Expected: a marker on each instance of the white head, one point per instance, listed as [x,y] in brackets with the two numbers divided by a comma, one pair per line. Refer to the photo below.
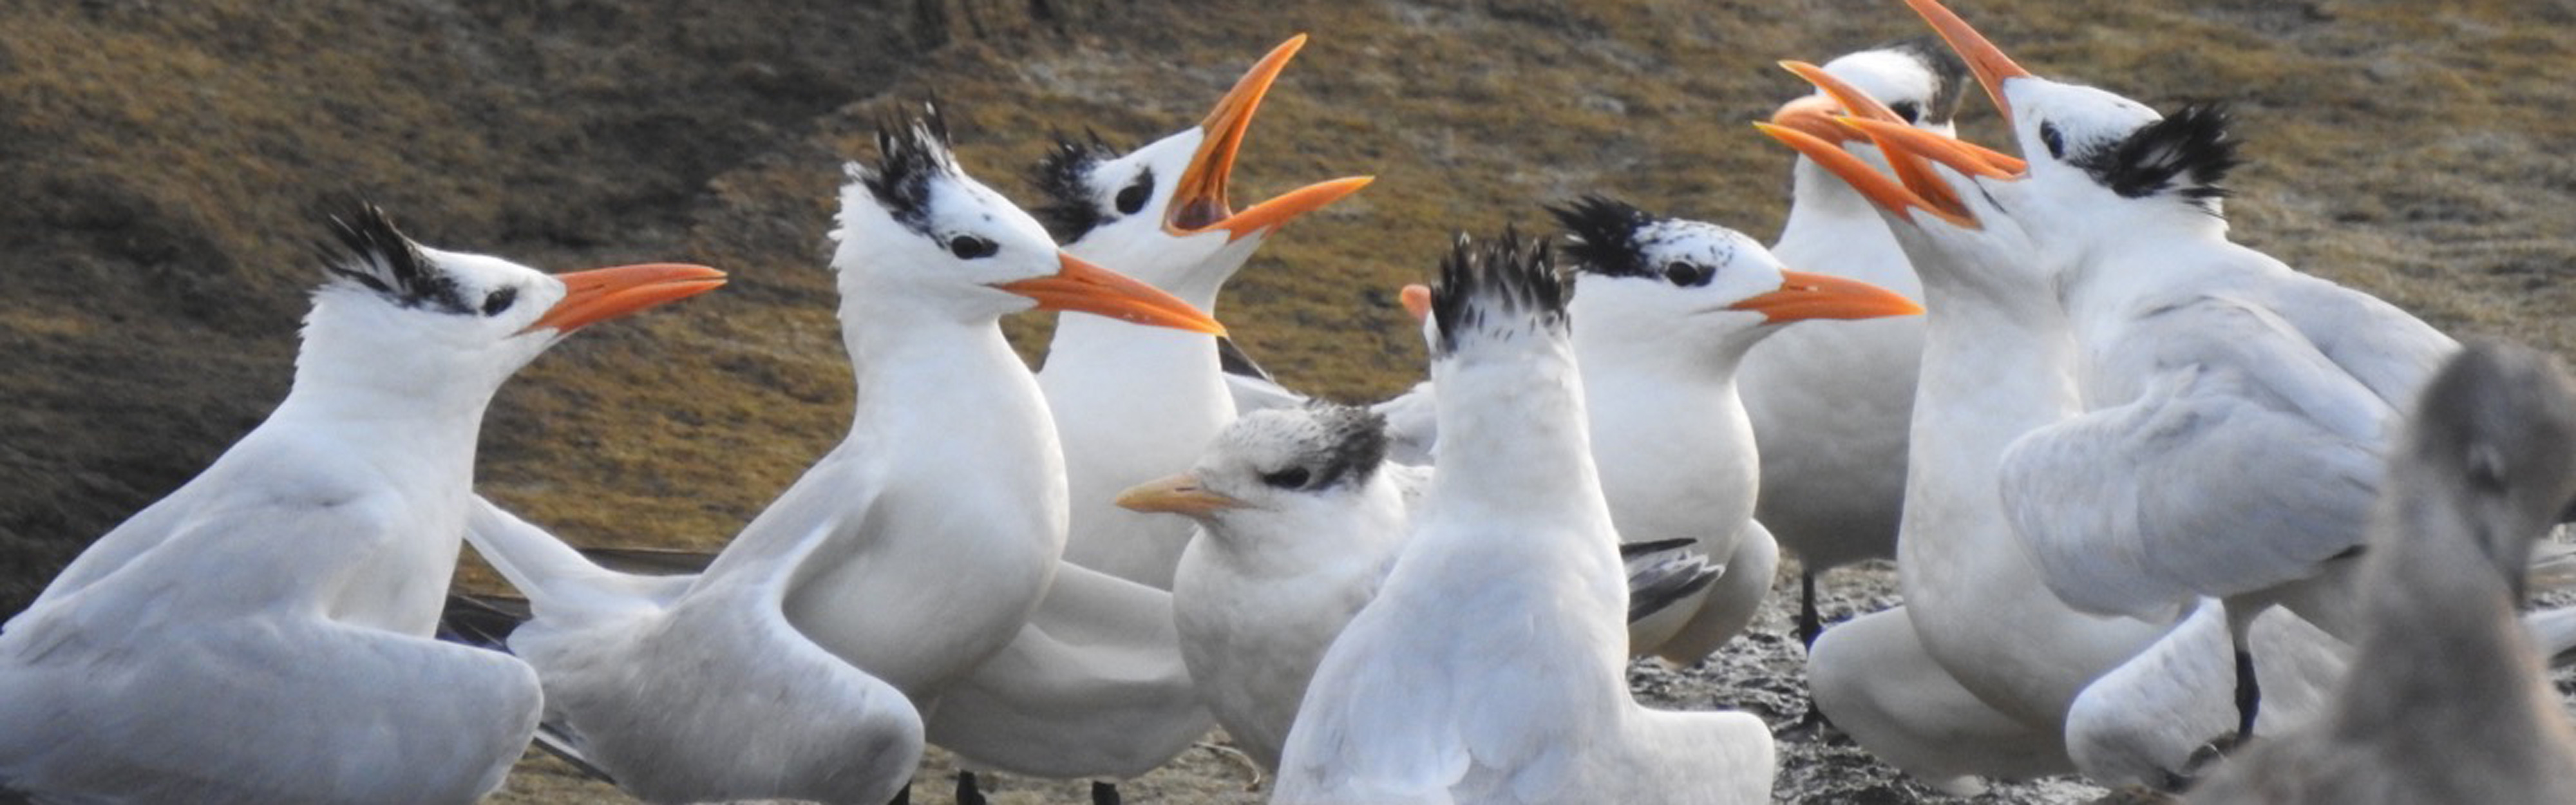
[1160,212]
[1696,292]
[1916,80]
[1308,464]
[918,237]
[406,320]
[2091,152]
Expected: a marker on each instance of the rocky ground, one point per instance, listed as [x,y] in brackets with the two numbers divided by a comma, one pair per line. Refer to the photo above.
[166,164]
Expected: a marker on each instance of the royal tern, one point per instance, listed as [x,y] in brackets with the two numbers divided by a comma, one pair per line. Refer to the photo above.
[263,634]
[1095,685]
[2235,410]
[1669,308]
[1491,666]
[2452,704]
[1831,405]
[1997,363]
[1300,514]
[917,548]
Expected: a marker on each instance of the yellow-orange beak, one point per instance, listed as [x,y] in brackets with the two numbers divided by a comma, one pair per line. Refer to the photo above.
[1812,115]
[1177,494]
[1983,58]
[1881,190]
[1803,296]
[601,294]
[1961,155]
[1087,288]
[1416,298]
[1861,106]
[1199,199]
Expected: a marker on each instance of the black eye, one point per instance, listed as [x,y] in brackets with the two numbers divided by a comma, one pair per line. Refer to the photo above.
[499,301]
[2056,143]
[1290,478]
[1133,197]
[1906,109]
[1687,274]
[969,247]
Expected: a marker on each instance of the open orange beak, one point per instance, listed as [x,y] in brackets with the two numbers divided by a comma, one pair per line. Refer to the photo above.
[1803,296]
[1887,193]
[601,294]
[1088,288]
[1177,494]
[1859,105]
[1199,199]
[1983,58]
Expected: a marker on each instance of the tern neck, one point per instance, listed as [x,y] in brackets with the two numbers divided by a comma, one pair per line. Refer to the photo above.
[1823,208]
[1513,437]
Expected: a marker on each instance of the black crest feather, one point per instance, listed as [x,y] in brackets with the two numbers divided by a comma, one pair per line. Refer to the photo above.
[1950,74]
[910,156]
[2187,153]
[1601,236]
[1062,177]
[371,252]
[1354,443]
[1503,285]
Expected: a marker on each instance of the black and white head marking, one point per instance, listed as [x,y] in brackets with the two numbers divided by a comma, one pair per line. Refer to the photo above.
[1339,445]
[372,253]
[1610,238]
[2187,153]
[1950,79]
[909,158]
[1063,177]
[1504,286]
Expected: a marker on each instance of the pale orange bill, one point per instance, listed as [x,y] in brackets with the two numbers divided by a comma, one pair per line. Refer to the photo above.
[1199,200]
[1864,107]
[601,294]
[1803,296]
[1886,192]
[1983,58]
[1086,288]
[1177,494]
[1416,298]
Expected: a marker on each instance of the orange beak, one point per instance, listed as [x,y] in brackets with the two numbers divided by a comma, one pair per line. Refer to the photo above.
[1177,494]
[1885,192]
[1813,116]
[1199,199]
[601,294]
[1087,288]
[1983,58]
[1803,296]
[1416,298]
[1863,107]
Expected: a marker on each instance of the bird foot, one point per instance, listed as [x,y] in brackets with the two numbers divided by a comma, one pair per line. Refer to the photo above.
[2209,756]
[1813,726]
[1250,769]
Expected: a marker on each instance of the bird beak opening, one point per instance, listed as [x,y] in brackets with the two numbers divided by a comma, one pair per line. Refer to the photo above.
[1885,192]
[1803,296]
[1860,105]
[1178,494]
[1812,115]
[1987,61]
[601,294]
[1199,199]
[1087,288]
[1416,299]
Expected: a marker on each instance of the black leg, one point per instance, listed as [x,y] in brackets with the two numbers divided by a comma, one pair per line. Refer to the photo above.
[1809,625]
[966,793]
[902,796]
[1104,793]
[2249,695]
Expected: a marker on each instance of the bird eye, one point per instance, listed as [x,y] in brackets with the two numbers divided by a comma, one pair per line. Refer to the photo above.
[1906,109]
[2056,143]
[1132,198]
[969,247]
[1687,274]
[499,301]
[1290,478]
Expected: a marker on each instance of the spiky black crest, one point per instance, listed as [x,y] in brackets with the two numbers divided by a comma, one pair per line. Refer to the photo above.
[371,252]
[1601,236]
[1353,446]
[1499,286]
[2187,153]
[1950,74]
[909,157]
[1072,205]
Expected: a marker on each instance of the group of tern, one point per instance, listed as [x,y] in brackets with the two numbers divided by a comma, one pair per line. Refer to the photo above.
[2164,510]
